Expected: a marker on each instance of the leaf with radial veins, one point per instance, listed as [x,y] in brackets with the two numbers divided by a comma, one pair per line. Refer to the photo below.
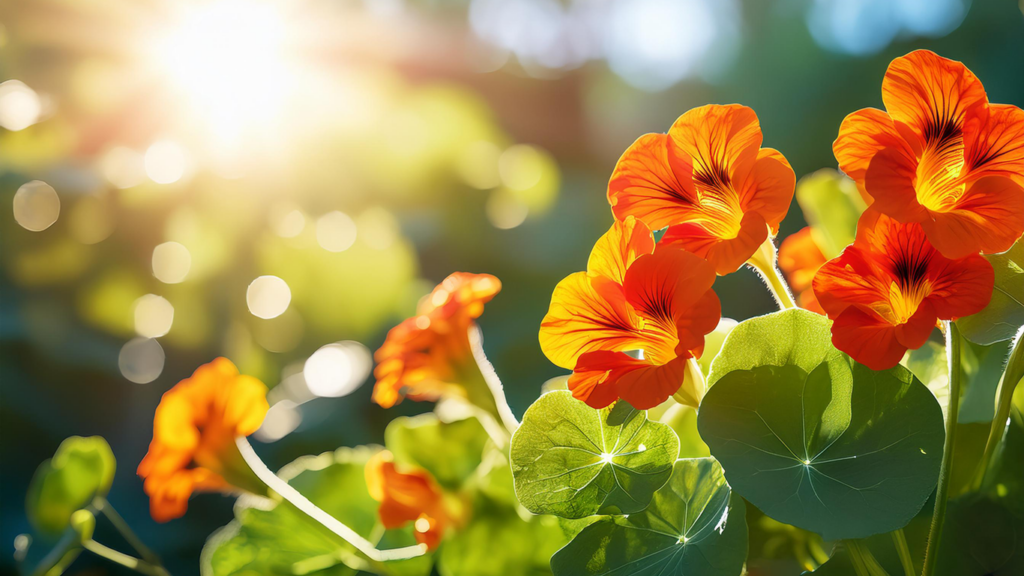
[814,439]
[694,525]
[1004,315]
[571,460]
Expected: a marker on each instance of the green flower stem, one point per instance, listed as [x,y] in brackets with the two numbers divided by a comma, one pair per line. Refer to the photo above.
[1012,377]
[313,512]
[900,541]
[857,559]
[102,505]
[130,562]
[764,261]
[942,491]
[487,392]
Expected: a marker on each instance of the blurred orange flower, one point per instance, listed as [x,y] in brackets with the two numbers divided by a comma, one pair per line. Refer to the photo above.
[632,297]
[194,431]
[799,259]
[886,291]
[429,355]
[404,497]
[710,180]
[941,156]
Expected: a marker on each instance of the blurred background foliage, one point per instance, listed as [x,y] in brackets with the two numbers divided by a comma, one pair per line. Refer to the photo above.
[279,182]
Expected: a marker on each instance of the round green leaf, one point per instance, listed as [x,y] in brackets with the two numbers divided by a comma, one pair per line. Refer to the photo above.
[814,439]
[281,540]
[80,470]
[571,460]
[450,451]
[1004,315]
[694,525]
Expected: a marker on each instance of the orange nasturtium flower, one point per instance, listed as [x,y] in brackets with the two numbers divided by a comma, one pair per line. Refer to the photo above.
[940,155]
[886,291]
[410,496]
[430,355]
[194,431]
[710,180]
[632,297]
[799,258]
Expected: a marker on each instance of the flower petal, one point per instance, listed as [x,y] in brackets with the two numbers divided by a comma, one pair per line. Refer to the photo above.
[649,386]
[726,255]
[594,379]
[989,217]
[768,189]
[962,287]
[850,278]
[616,250]
[890,181]
[915,331]
[587,313]
[930,95]
[668,283]
[994,144]
[867,338]
[649,185]
[720,142]
[863,134]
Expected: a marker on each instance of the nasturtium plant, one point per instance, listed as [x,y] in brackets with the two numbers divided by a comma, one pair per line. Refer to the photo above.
[269,537]
[1004,315]
[814,439]
[831,205]
[694,525]
[80,470]
[981,536]
[450,451]
[571,460]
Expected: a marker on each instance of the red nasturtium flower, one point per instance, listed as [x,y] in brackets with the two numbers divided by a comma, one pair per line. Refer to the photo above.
[940,155]
[429,355]
[194,431]
[886,291]
[710,181]
[409,496]
[632,297]
[799,258]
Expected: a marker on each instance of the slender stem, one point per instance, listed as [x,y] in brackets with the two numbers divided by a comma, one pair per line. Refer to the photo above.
[900,541]
[491,396]
[942,491]
[125,560]
[1013,376]
[303,504]
[103,505]
[764,262]
[859,566]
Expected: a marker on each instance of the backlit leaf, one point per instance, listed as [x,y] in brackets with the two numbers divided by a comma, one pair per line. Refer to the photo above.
[1004,315]
[80,470]
[571,460]
[694,525]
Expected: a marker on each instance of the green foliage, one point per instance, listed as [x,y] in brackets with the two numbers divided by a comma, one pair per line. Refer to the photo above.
[280,540]
[814,439]
[1004,315]
[498,542]
[981,536]
[832,205]
[694,525]
[571,460]
[451,451]
[80,470]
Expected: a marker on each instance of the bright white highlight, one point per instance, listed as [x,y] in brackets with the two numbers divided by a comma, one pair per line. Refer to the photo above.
[268,297]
